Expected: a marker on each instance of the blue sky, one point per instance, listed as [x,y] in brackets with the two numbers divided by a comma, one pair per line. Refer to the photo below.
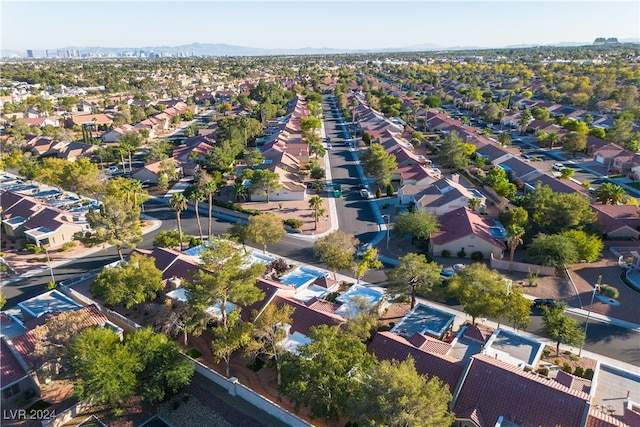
[297,24]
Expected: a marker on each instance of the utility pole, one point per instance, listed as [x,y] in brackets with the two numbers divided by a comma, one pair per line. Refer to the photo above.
[586,325]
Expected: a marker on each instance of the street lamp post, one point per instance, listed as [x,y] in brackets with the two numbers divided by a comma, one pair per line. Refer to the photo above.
[586,325]
[387,219]
[46,251]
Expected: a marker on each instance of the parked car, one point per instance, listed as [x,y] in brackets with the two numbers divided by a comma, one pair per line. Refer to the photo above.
[364,194]
[544,302]
[446,274]
[558,167]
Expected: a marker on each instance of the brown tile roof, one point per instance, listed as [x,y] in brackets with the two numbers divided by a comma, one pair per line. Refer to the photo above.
[477,334]
[496,389]
[11,369]
[47,217]
[429,344]
[615,217]
[304,318]
[597,418]
[269,289]
[461,223]
[322,305]
[325,282]
[573,382]
[25,344]
[389,346]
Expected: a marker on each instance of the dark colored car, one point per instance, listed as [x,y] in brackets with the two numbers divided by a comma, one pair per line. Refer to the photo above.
[544,302]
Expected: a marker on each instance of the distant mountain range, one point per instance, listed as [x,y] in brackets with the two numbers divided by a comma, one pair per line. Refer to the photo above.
[221,49]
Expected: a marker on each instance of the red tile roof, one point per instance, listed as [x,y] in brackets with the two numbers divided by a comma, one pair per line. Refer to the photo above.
[615,217]
[322,305]
[573,382]
[429,344]
[25,344]
[597,418]
[304,318]
[495,388]
[11,369]
[389,346]
[477,334]
[461,223]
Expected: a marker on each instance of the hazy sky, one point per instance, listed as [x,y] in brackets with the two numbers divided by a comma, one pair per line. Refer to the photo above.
[297,24]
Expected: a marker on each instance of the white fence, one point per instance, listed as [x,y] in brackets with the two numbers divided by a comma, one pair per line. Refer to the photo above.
[503,264]
[66,415]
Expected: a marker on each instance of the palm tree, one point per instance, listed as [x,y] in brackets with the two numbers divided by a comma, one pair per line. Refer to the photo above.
[129,142]
[553,139]
[209,187]
[240,191]
[514,238]
[178,203]
[194,194]
[474,204]
[315,203]
[609,193]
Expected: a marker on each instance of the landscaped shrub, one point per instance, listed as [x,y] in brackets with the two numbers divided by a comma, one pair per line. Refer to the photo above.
[566,366]
[279,265]
[579,371]
[378,193]
[68,246]
[609,291]
[546,352]
[390,190]
[574,357]
[293,223]
[588,373]
[556,362]
[462,254]
[33,248]
[477,256]
[445,254]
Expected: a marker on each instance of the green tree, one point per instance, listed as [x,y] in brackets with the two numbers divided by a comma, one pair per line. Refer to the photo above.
[610,193]
[310,124]
[321,376]
[418,224]
[3,300]
[336,249]
[229,338]
[102,369]
[394,394]
[132,282]
[316,204]
[165,371]
[238,232]
[514,239]
[515,216]
[269,334]
[253,157]
[166,174]
[167,239]
[561,328]
[589,246]
[116,222]
[553,250]
[265,182]
[178,202]
[378,163]
[227,275]
[369,260]
[129,143]
[209,186]
[414,274]
[559,211]
[481,291]
[264,229]
[621,131]
[504,139]
[574,142]
[523,123]
[453,152]
[567,173]
[194,194]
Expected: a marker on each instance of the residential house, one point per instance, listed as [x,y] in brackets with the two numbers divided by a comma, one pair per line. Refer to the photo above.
[72,151]
[496,393]
[88,119]
[607,154]
[149,173]
[41,122]
[415,175]
[462,230]
[192,151]
[15,381]
[618,222]
[115,134]
[293,187]
[441,197]
[20,365]
[52,227]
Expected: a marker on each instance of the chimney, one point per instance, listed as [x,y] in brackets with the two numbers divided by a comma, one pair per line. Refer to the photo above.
[174,283]
[455,177]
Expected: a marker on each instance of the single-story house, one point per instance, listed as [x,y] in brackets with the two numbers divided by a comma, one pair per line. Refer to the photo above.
[618,221]
[462,230]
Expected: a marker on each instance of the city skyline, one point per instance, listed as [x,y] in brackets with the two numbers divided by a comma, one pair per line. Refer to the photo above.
[355,25]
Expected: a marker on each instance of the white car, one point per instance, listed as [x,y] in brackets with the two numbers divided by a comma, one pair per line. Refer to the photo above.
[558,167]
[112,169]
[364,194]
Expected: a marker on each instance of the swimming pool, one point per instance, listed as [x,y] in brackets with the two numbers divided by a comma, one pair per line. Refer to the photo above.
[300,276]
